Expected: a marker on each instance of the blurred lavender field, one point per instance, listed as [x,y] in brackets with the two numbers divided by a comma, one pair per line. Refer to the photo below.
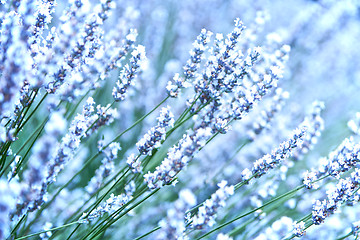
[213,119]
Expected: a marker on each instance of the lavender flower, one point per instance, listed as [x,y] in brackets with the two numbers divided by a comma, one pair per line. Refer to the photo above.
[128,74]
[105,116]
[269,161]
[118,53]
[35,174]
[54,55]
[314,125]
[341,160]
[173,226]
[309,178]
[266,116]
[106,168]
[112,204]
[192,65]
[299,229]
[177,158]
[152,139]
[134,163]
[84,48]
[71,141]
[15,56]
[335,197]
[48,234]
[64,153]
[356,228]
[207,212]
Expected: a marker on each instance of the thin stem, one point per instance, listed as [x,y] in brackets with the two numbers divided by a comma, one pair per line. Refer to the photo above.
[346,236]
[18,224]
[111,216]
[148,233]
[35,109]
[76,106]
[128,210]
[52,229]
[89,210]
[254,210]
[87,163]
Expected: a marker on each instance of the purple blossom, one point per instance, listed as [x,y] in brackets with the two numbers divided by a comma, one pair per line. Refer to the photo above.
[207,212]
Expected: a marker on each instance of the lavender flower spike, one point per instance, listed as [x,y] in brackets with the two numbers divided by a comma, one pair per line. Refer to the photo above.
[65,151]
[207,212]
[152,139]
[112,204]
[177,158]
[270,161]
[191,66]
[128,74]
[106,168]
[173,226]
[342,192]
[299,229]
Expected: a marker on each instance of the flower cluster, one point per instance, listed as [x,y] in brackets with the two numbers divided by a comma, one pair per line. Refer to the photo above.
[134,163]
[264,119]
[342,159]
[191,67]
[36,173]
[207,212]
[270,161]
[128,74]
[112,204]
[15,56]
[299,229]
[335,197]
[309,180]
[106,168]
[173,226]
[87,44]
[314,125]
[152,139]
[177,158]
[356,228]
[71,141]
[64,153]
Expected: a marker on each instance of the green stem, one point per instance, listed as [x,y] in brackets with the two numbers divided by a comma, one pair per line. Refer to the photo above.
[148,233]
[98,201]
[5,147]
[128,210]
[252,211]
[87,163]
[346,236]
[35,109]
[52,229]
[112,216]
[70,115]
